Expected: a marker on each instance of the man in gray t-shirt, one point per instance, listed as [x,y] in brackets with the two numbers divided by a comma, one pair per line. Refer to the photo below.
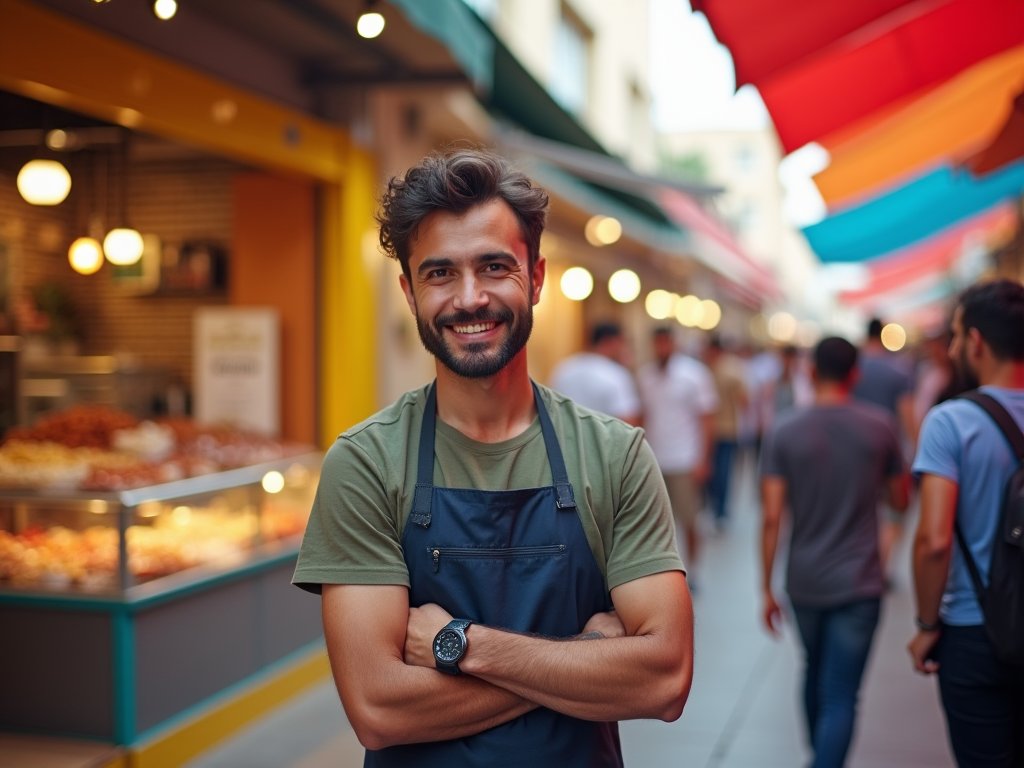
[829,465]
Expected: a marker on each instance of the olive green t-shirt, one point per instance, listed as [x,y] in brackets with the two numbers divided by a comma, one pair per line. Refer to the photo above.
[354,535]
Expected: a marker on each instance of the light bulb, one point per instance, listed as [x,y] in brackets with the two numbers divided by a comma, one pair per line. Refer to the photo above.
[165,9]
[710,315]
[273,482]
[123,247]
[689,311]
[577,283]
[624,286]
[85,255]
[44,182]
[660,304]
[782,327]
[370,25]
[602,230]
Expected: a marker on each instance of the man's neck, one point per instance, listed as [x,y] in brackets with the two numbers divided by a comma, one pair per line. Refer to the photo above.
[487,410]
[831,393]
[1007,375]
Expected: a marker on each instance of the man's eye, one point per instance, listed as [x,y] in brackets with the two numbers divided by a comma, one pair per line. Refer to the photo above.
[437,273]
[495,267]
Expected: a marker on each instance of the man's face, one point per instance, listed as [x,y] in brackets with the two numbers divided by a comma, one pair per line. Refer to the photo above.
[958,351]
[471,288]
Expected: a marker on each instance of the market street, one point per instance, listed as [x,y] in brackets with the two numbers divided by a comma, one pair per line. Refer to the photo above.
[743,709]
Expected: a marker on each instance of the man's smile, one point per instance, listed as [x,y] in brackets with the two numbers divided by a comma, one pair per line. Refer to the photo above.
[473,329]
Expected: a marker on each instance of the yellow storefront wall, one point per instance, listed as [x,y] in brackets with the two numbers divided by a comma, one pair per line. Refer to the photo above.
[47,57]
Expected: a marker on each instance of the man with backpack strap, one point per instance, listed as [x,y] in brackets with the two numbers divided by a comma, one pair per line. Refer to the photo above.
[969,628]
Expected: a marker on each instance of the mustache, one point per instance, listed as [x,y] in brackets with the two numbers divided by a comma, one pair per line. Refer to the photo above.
[482,315]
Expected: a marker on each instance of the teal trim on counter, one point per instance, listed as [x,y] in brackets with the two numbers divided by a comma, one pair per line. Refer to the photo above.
[104,603]
[221,697]
[123,630]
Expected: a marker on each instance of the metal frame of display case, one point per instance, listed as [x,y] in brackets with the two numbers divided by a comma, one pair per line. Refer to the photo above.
[191,609]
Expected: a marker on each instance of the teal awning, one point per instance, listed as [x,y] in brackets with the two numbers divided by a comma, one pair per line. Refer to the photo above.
[461,31]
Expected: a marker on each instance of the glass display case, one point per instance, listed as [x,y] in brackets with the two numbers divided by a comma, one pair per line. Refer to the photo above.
[94,543]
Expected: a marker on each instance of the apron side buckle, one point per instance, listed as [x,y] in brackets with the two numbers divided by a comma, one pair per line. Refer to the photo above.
[564,498]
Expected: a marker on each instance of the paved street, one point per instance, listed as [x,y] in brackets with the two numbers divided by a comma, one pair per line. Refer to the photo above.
[743,709]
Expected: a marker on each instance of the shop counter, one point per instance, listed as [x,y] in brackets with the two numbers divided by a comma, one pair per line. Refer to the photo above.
[122,613]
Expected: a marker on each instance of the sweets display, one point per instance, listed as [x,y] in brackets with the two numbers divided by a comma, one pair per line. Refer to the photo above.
[98,448]
[57,541]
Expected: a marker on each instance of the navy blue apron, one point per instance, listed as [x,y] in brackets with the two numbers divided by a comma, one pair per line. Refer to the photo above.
[517,560]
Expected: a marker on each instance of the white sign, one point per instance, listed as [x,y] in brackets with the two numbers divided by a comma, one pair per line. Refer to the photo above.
[237,368]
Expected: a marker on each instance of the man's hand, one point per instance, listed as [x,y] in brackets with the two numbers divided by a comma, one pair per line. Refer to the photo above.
[604,624]
[424,624]
[919,647]
[771,616]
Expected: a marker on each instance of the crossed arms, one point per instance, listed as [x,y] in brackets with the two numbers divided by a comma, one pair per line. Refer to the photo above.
[383,664]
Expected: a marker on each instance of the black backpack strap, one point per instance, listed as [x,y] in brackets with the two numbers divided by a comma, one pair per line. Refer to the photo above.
[972,567]
[1006,423]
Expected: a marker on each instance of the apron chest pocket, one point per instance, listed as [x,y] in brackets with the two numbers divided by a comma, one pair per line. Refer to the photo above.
[492,553]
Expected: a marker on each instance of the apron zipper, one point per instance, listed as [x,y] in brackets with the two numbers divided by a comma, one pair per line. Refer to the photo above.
[493,553]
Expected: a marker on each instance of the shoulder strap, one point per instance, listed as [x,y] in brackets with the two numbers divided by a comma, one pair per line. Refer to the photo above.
[564,498]
[1001,417]
[972,566]
[424,492]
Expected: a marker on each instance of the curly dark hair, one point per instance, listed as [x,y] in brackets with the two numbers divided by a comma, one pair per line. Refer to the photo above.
[996,309]
[456,180]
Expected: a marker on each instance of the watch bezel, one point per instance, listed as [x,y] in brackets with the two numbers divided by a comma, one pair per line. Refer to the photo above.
[444,635]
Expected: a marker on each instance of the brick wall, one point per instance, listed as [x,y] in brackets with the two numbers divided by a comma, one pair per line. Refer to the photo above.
[176,199]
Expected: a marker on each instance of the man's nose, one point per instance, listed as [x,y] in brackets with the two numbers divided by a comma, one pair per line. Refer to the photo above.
[470,294]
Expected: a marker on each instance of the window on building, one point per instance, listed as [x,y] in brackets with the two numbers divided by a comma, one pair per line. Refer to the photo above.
[570,73]
[745,158]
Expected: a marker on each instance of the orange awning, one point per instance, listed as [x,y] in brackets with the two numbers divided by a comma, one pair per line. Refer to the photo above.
[1007,146]
[948,122]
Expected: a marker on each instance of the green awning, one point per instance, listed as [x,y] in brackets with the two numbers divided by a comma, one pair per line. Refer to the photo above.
[461,31]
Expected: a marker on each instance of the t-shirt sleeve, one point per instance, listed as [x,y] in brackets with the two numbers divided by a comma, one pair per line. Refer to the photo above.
[643,533]
[938,449]
[352,536]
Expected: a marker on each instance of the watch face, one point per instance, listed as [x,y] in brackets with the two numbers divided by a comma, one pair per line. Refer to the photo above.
[448,646]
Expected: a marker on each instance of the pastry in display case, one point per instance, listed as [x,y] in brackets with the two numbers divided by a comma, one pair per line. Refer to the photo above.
[94,501]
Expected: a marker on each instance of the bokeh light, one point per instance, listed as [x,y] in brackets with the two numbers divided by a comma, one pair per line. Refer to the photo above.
[894,337]
[123,247]
[370,25]
[273,482]
[602,230]
[710,315]
[577,283]
[85,256]
[624,285]
[782,327]
[689,311]
[44,182]
[660,304]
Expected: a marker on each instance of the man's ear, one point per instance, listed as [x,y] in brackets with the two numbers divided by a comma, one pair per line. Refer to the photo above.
[976,344]
[407,290]
[540,269]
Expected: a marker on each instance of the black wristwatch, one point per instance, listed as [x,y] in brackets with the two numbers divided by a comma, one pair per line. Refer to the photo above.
[450,646]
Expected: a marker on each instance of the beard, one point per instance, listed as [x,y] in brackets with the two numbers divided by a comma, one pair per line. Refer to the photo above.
[475,362]
[968,378]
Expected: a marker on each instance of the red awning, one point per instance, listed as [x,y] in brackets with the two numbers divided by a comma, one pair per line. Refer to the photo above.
[911,48]
[766,36]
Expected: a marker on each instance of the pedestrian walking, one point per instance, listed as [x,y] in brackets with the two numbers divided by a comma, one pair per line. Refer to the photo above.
[965,461]
[600,379]
[730,385]
[497,568]
[885,382]
[827,465]
[679,402]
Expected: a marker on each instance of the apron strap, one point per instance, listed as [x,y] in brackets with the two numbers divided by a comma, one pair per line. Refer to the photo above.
[420,515]
[564,498]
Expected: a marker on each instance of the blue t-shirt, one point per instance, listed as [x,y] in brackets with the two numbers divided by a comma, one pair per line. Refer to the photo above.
[961,442]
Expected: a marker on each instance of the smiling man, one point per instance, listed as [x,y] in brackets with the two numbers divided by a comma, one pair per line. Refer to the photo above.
[499,577]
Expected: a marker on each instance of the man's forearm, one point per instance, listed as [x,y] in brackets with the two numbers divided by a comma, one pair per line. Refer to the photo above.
[645,676]
[930,570]
[769,545]
[416,704]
